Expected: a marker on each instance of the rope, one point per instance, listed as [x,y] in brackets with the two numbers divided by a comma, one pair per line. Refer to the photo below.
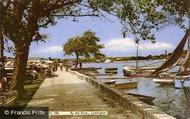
[175,96]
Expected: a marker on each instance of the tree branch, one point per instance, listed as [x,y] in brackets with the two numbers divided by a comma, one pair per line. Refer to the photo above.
[79,15]
[58,6]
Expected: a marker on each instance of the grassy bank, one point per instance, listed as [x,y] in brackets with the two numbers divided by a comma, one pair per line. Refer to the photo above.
[30,89]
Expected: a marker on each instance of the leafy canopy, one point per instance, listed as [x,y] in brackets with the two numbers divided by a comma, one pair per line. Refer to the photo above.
[85,45]
[20,18]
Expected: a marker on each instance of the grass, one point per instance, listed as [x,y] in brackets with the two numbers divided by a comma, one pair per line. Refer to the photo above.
[30,91]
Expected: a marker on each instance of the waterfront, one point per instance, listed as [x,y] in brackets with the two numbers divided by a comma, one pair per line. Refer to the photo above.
[168,99]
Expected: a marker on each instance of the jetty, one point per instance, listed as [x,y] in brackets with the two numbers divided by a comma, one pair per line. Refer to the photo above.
[67,92]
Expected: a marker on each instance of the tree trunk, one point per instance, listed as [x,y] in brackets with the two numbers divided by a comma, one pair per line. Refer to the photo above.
[20,65]
[77,61]
[1,54]
[1,48]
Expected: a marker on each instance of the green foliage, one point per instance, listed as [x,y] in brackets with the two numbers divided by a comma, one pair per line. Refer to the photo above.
[85,45]
[21,20]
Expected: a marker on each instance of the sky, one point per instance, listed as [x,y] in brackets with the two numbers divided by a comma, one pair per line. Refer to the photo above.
[110,35]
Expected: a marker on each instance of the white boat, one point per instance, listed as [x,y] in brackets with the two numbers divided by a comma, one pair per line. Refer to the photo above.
[138,71]
[107,61]
[164,81]
[110,82]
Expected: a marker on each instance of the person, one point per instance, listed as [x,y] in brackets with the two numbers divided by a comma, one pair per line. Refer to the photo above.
[66,64]
[61,66]
[80,65]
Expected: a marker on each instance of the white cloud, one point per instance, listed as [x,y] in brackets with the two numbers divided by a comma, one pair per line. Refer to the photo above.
[51,49]
[128,45]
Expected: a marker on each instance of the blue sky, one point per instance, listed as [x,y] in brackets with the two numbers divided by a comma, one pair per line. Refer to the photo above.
[109,34]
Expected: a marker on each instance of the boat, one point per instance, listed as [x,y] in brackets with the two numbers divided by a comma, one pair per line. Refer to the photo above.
[110,82]
[111,70]
[138,71]
[175,57]
[172,62]
[115,77]
[183,73]
[126,85]
[144,98]
[108,61]
[163,81]
[107,74]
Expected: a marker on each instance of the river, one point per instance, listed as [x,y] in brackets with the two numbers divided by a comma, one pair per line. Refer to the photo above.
[168,99]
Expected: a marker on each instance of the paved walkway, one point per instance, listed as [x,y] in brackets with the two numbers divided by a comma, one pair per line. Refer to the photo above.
[68,93]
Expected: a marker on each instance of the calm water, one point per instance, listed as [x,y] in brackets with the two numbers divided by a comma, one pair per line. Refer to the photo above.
[168,99]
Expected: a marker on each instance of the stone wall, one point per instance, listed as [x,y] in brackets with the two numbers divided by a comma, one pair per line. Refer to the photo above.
[140,108]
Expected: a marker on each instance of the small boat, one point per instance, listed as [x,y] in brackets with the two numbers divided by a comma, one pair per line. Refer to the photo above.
[110,82]
[163,81]
[107,74]
[144,98]
[108,61]
[111,70]
[137,72]
[114,78]
[126,85]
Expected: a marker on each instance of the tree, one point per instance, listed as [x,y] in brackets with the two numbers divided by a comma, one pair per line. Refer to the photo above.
[21,20]
[85,45]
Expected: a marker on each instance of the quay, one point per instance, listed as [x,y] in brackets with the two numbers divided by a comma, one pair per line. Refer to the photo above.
[67,92]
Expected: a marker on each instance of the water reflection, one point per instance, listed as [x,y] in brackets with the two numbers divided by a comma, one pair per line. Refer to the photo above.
[168,99]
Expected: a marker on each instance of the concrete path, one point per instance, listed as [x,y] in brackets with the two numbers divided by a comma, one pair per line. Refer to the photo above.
[68,93]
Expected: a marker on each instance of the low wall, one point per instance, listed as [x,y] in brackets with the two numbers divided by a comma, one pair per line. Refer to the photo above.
[140,108]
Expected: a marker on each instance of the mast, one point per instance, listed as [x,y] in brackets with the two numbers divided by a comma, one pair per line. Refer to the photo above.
[137,55]
[137,60]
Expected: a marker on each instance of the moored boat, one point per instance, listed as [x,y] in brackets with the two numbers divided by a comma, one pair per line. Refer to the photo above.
[110,82]
[111,70]
[126,85]
[144,98]
[108,61]
[163,81]
[140,72]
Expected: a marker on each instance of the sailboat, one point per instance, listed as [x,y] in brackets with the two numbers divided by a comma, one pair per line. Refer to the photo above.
[184,74]
[138,71]
[172,61]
